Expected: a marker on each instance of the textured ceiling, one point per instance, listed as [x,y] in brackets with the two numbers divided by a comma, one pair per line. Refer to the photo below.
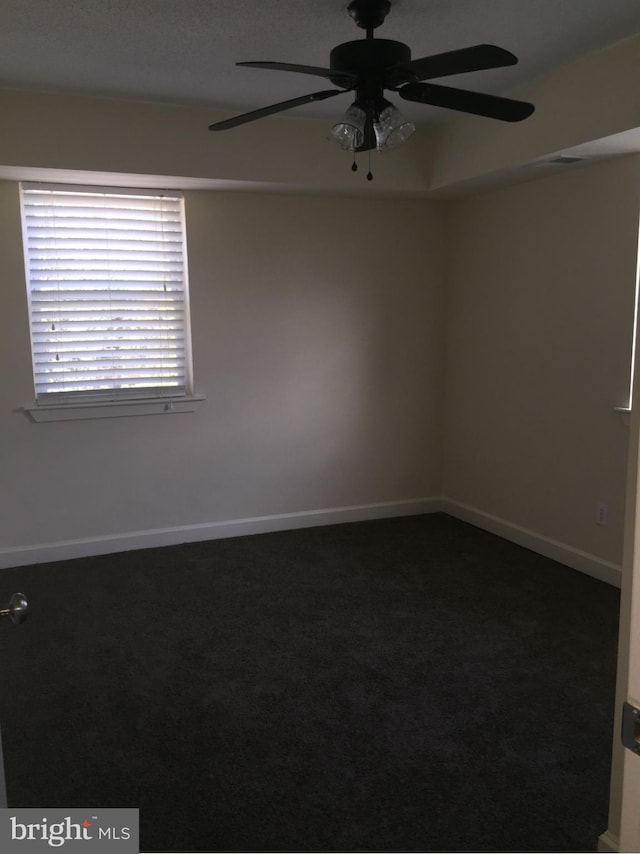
[183,51]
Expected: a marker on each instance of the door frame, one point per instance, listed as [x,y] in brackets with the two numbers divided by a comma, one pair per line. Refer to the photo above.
[625,775]
[624,797]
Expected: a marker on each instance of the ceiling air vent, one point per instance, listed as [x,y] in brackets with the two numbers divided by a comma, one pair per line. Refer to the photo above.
[561,160]
[566,158]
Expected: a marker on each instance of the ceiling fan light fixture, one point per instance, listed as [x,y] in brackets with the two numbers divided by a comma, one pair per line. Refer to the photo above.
[348,133]
[392,128]
[371,66]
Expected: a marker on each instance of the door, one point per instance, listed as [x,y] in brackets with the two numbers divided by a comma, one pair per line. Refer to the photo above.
[16,610]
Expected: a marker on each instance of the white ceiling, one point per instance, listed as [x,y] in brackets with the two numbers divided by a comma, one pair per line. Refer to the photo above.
[183,51]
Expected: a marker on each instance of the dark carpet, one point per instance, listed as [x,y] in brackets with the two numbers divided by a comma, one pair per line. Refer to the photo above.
[410,684]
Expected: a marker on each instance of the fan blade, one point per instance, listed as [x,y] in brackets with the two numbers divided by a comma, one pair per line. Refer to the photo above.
[274,108]
[340,78]
[477,103]
[477,58]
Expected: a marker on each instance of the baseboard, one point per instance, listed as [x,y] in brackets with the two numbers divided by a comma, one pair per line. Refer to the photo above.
[69,549]
[563,553]
[608,843]
[127,541]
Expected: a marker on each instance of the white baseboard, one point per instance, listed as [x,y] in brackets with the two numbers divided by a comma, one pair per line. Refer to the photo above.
[127,541]
[575,558]
[608,843]
[69,549]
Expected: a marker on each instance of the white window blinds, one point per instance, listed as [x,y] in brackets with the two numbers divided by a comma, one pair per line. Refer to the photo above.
[106,274]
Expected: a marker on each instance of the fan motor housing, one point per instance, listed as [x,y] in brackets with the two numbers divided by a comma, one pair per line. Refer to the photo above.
[369,14]
[367,56]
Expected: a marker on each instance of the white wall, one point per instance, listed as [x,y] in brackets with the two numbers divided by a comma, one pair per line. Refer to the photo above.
[539,320]
[318,333]
[317,342]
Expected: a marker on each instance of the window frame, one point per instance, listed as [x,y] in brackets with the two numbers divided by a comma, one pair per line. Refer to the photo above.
[91,403]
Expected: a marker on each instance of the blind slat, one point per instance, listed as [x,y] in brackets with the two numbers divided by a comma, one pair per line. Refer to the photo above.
[145,304]
[102,339]
[175,356]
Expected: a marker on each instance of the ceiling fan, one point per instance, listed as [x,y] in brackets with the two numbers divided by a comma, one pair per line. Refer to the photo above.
[370,66]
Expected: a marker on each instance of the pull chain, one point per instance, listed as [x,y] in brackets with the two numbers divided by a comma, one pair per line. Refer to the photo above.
[354,165]
[369,173]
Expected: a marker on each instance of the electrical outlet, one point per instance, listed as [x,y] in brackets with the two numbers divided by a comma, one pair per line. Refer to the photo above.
[602,514]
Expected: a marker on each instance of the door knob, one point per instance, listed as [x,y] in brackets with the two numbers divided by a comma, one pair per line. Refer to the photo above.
[16,609]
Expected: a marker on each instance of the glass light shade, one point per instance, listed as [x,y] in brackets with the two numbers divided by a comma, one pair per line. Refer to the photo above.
[392,129]
[349,131]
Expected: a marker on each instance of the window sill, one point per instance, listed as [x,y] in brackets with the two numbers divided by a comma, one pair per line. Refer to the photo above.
[113,409]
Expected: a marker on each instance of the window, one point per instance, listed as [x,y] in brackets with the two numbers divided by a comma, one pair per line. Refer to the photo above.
[107,286]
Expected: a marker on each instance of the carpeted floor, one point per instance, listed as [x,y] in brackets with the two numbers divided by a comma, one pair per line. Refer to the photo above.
[411,684]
